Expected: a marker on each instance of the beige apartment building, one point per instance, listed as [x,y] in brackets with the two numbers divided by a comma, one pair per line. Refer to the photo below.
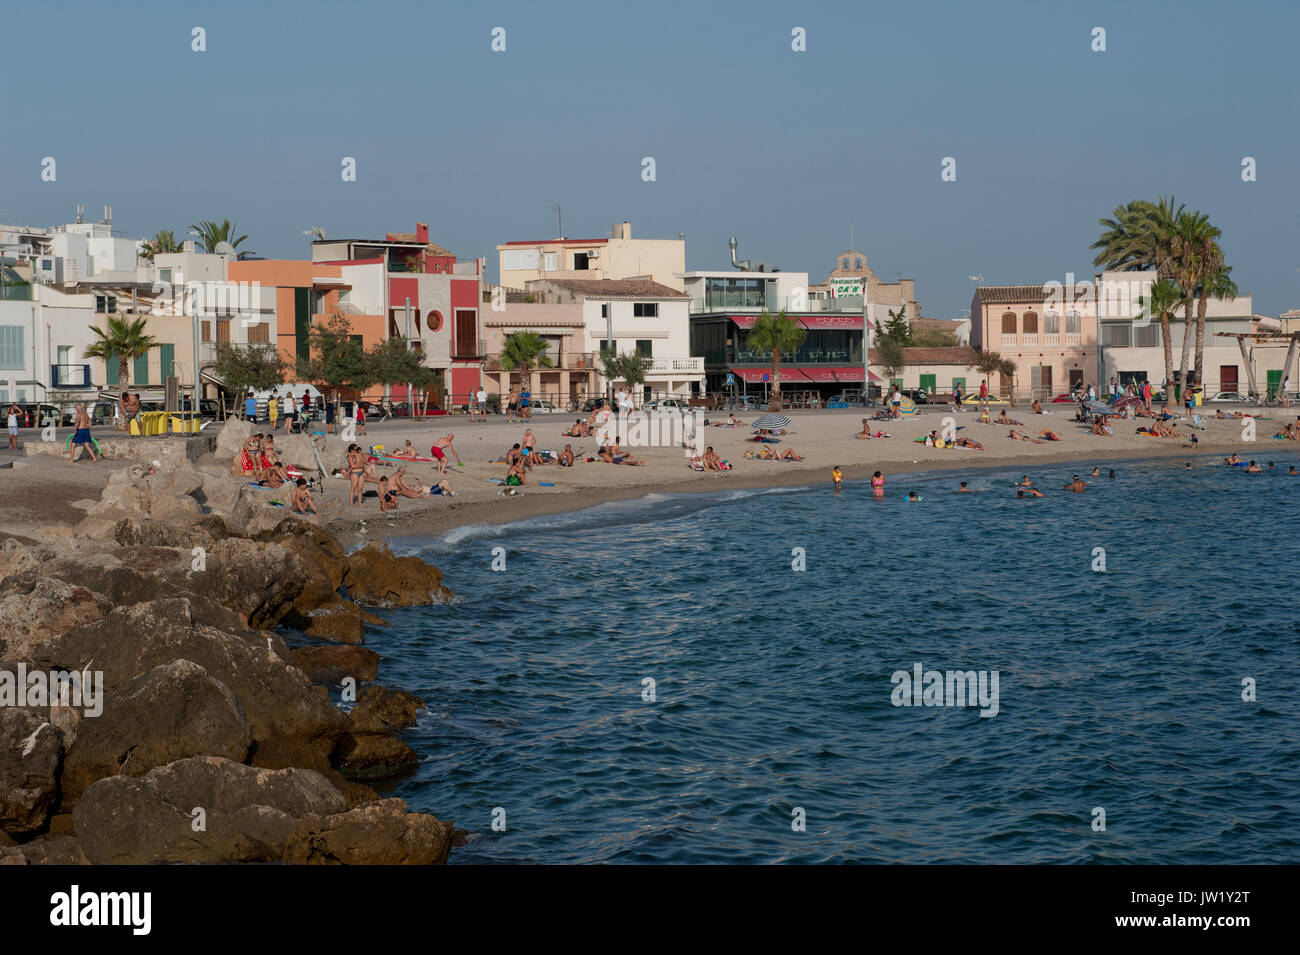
[618,256]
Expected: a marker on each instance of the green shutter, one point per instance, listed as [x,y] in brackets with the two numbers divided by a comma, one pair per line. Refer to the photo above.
[140,373]
[167,361]
[111,364]
[302,321]
[1274,382]
[928,382]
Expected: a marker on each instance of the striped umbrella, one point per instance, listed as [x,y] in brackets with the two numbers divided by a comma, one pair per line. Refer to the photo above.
[770,422]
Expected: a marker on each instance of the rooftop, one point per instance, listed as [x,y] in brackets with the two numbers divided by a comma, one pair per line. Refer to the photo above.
[617,288]
[948,355]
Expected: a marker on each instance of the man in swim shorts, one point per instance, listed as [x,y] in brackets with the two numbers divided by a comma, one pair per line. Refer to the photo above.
[81,436]
[439,454]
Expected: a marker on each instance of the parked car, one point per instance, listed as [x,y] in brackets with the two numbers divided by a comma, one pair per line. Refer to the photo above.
[542,406]
[591,404]
[743,403]
[1232,396]
[667,404]
[845,399]
[34,414]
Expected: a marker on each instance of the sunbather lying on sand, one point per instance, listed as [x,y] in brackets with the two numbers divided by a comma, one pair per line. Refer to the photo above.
[1017,436]
[580,429]
[399,485]
[1003,419]
[968,443]
[407,453]
[611,454]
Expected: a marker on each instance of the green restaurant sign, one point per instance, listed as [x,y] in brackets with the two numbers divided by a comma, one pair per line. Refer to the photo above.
[846,288]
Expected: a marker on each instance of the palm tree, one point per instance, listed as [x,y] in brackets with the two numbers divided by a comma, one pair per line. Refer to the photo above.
[1162,302]
[161,244]
[777,334]
[630,367]
[211,234]
[523,351]
[1216,285]
[125,340]
[1194,253]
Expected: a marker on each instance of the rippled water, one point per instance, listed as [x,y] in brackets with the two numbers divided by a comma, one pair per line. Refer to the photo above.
[1120,690]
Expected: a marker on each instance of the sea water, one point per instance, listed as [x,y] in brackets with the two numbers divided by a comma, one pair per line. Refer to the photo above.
[1143,634]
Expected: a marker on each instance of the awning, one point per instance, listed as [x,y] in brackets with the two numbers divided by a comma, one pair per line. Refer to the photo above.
[744,321]
[830,322]
[817,374]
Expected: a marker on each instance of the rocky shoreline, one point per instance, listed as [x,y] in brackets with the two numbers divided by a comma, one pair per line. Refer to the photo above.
[193,731]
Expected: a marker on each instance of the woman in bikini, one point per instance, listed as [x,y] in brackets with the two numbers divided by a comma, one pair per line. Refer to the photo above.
[356,473]
[407,453]
[1003,419]
[249,459]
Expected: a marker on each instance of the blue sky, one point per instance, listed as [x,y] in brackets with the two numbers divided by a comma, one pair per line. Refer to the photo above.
[783,149]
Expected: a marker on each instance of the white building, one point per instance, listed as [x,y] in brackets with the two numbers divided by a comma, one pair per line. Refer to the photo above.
[642,316]
[616,256]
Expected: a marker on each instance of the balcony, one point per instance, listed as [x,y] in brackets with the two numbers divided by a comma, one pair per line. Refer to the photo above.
[675,367]
[801,356]
[70,376]
[570,361]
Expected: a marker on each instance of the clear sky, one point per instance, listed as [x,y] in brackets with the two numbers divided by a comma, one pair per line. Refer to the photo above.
[784,149]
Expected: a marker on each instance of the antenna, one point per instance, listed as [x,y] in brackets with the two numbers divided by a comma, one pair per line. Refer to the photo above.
[851,245]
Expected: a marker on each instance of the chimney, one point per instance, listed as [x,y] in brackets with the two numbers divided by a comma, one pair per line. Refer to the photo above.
[421,232]
[627,229]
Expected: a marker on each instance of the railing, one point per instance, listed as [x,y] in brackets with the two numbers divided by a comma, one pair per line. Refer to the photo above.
[70,376]
[851,305]
[802,356]
[1029,339]
[1008,340]
[1071,338]
[571,361]
[676,366]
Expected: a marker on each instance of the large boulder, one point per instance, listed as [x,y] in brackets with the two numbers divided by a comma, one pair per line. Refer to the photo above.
[148,532]
[371,750]
[292,722]
[58,850]
[16,557]
[379,833]
[375,577]
[261,581]
[30,753]
[174,711]
[203,809]
[396,708]
[330,664]
[37,608]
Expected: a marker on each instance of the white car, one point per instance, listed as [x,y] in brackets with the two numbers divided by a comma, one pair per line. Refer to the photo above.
[542,406]
[667,404]
[1228,396]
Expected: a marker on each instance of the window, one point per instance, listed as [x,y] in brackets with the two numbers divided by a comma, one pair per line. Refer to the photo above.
[1115,334]
[645,309]
[1008,323]
[844,263]
[1072,323]
[47,264]
[604,309]
[259,334]
[165,275]
[11,346]
[1146,336]
[205,331]
[316,301]
[551,261]
[645,348]
[223,332]
[608,345]
[466,333]
[516,260]
[1031,323]
[1051,323]
[580,262]
[106,304]
[857,263]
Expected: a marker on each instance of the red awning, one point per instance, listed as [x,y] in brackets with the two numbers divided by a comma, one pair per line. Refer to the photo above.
[830,321]
[744,321]
[818,374]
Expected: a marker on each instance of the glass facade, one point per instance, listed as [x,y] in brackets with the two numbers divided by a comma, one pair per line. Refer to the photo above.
[724,293]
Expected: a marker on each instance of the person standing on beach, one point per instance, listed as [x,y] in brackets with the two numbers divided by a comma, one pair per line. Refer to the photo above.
[81,436]
[290,412]
[512,405]
[273,409]
[525,403]
[1146,395]
[329,415]
[837,477]
[441,445]
[984,395]
[895,402]
[956,395]
[250,408]
[13,427]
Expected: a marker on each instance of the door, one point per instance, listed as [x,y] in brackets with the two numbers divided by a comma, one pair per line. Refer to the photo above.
[167,360]
[140,373]
[1047,383]
[928,382]
[1274,382]
[466,336]
[1228,378]
[1076,378]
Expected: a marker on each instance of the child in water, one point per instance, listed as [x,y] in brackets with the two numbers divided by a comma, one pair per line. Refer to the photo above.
[837,477]
[913,496]
[878,484]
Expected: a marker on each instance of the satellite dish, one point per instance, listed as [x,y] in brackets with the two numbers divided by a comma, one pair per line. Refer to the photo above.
[224,248]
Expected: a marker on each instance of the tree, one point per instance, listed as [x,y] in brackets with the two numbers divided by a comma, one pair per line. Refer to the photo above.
[1194,254]
[629,367]
[898,328]
[988,363]
[335,358]
[162,243]
[522,352]
[212,234]
[393,362]
[1007,371]
[779,335]
[889,356]
[1161,303]
[1216,285]
[125,340]
[244,368]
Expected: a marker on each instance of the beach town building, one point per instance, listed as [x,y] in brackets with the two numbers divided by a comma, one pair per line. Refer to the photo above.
[723,308]
[1048,330]
[938,369]
[642,316]
[571,373]
[426,294]
[850,277]
[616,256]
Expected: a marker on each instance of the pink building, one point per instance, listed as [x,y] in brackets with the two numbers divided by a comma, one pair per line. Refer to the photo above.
[1049,331]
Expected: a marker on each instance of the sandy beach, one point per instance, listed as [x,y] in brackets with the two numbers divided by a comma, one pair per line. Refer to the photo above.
[43,489]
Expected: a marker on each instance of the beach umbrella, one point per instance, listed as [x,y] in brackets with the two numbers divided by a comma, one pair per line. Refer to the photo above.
[770,422]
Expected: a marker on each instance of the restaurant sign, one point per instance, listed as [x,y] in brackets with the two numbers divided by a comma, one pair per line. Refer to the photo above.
[846,288]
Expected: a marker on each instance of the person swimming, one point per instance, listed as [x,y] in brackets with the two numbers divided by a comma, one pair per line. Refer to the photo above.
[913,496]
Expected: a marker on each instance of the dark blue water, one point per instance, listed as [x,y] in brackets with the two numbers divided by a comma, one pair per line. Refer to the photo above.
[1120,690]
